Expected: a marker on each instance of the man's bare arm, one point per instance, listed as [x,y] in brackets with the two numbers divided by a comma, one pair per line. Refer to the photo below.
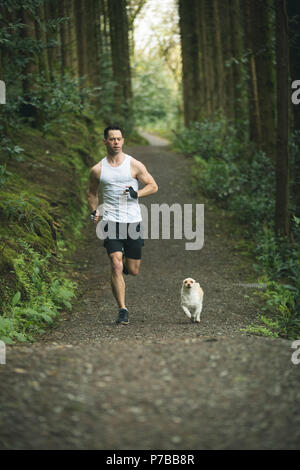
[144,177]
[93,198]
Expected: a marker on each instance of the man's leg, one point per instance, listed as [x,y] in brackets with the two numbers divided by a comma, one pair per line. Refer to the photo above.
[117,280]
[132,266]
[133,256]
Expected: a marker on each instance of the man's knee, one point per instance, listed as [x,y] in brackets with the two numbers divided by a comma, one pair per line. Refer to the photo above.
[116,264]
[134,271]
[133,267]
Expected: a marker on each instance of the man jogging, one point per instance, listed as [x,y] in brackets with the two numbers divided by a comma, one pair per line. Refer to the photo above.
[118,176]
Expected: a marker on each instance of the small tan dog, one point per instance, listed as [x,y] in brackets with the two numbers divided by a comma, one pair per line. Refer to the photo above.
[191,299]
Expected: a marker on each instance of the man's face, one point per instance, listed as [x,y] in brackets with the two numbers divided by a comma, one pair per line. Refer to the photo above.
[114,142]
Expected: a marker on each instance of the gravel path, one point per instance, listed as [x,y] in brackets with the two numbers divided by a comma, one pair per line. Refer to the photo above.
[154,140]
[160,382]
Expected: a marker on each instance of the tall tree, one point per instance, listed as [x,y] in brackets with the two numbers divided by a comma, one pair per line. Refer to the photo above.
[93,31]
[71,38]
[210,55]
[283,95]
[81,39]
[293,7]
[236,58]
[30,69]
[190,59]
[255,126]
[51,13]
[219,53]
[204,77]
[262,38]
[40,32]
[64,56]
[227,55]
[118,23]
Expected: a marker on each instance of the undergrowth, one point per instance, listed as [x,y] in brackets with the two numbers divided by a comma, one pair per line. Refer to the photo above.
[44,293]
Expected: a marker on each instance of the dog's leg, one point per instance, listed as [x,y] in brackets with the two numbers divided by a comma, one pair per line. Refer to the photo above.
[193,315]
[186,311]
[198,313]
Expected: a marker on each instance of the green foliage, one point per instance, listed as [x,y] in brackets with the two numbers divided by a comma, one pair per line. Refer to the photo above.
[25,214]
[154,99]
[56,98]
[280,261]
[220,170]
[224,170]
[268,328]
[4,175]
[48,100]
[10,150]
[210,139]
[42,294]
[48,294]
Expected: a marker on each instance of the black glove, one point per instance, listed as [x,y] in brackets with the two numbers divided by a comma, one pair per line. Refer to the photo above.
[93,215]
[132,192]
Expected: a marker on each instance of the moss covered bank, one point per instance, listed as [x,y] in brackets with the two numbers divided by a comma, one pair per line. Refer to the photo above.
[42,209]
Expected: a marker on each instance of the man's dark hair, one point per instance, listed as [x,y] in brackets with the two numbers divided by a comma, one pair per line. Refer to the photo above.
[111,128]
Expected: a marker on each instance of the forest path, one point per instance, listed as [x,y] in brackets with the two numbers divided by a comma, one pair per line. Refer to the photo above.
[153,139]
[160,382]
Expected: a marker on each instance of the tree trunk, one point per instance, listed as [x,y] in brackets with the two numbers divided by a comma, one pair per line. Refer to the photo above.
[93,42]
[210,55]
[293,8]
[40,33]
[236,51]
[220,66]
[190,60]
[283,96]
[80,25]
[204,79]
[227,54]
[51,12]
[30,70]
[120,60]
[294,37]
[262,43]
[62,12]
[253,104]
[72,41]
[105,25]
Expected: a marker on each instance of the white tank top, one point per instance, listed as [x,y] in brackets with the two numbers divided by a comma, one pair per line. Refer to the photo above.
[119,207]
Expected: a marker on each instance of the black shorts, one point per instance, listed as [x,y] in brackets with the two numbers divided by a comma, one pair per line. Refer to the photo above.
[119,239]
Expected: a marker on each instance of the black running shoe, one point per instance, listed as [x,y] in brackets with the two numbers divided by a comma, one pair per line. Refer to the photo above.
[123,317]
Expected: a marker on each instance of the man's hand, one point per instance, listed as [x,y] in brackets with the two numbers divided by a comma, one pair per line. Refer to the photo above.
[132,192]
[95,216]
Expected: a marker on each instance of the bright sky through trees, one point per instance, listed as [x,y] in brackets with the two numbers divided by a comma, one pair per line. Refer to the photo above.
[154,15]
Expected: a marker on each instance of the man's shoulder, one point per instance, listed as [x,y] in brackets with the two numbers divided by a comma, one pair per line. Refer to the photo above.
[96,169]
[136,163]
